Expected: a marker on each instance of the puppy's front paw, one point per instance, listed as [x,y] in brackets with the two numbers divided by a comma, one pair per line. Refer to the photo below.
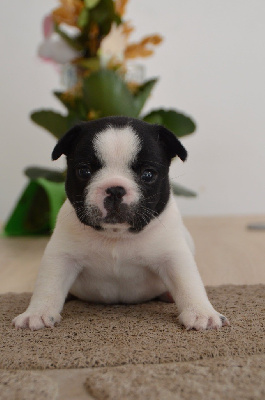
[201,319]
[36,320]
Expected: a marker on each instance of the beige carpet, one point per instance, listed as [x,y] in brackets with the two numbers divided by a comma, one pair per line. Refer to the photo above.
[26,385]
[214,379]
[142,349]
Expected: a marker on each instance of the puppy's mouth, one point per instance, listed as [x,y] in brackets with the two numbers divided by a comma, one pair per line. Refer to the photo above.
[117,212]
[122,215]
[115,215]
[114,219]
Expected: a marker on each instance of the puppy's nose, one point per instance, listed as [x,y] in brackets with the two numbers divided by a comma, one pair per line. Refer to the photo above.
[116,191]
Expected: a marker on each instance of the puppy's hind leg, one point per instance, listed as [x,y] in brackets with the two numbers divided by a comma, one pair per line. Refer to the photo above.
[55,278]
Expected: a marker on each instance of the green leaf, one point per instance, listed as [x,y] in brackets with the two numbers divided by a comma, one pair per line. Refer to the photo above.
[60,96]
[92,63]
[176,122]
[83,18]
[143,93]
[104,15]
[53,122]
[103,11]
[72,42]
[106,92]
[91,3]
[46,173]
[76,106]
[179,190]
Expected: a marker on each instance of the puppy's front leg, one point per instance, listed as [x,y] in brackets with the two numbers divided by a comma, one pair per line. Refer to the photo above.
[181,277]
[55,278]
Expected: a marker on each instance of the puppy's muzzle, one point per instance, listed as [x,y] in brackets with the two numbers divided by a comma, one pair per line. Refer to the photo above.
[116,192]
[113,203]
[114,197]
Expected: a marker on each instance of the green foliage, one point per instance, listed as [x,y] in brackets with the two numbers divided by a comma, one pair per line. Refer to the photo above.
[98,93]
[83,18]
[101,92]
[91,64]
[54,122]
[143,93]
[72,42]
[176,122]
[104,91]
[91,3]
[36,211]
[104,15]
[107,93]
[53,175]
[75,106]
[180,190]
[96,12]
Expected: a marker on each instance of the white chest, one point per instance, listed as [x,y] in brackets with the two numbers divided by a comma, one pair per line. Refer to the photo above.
[116,275]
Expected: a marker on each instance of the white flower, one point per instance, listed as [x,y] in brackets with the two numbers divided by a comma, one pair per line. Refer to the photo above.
[53,48]
[112,47]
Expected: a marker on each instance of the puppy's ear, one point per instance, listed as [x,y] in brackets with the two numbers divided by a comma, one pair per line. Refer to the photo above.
[66,142]
[171,144]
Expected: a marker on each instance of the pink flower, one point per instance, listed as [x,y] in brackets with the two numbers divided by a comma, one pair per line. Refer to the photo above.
[54,48]
[47,26]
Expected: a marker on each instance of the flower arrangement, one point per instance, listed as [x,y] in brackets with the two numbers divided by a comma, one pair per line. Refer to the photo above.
[90,39]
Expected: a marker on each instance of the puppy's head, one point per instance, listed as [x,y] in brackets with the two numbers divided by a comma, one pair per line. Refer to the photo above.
[117,174]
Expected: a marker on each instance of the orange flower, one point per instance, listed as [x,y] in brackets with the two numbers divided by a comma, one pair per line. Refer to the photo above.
[133,87]
[93,42]
[92,114]
[69,96]
[120,7]
[68,12]
[142,49]
[127,29]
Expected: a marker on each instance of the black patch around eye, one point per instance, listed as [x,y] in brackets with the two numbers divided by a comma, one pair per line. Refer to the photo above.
[84,169]
[149,175]
[83,172]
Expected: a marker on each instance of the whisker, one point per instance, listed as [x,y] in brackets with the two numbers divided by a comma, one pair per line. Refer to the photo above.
[152,214]
[154,195]
[176,177]
[149,209]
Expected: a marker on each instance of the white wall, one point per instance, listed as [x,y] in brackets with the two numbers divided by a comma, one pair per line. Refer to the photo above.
[211,65]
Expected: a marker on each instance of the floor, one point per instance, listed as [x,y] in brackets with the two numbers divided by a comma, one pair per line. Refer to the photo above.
[226,251]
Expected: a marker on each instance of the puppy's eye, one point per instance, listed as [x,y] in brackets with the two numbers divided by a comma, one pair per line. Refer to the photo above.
[83,172]
[148,176]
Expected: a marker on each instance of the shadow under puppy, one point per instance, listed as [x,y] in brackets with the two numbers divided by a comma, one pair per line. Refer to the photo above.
[119,237]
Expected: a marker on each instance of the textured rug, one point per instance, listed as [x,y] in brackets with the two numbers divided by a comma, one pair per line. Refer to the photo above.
[26,385]
[132,351]
[240,378]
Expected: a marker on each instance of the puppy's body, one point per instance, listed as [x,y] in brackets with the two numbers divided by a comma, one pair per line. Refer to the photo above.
[119,237]
[116,266]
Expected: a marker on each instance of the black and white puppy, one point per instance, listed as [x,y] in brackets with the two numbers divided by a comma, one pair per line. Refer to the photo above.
[119,237]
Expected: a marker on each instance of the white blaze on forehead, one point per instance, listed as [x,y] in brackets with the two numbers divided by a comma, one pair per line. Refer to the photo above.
[117,147]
